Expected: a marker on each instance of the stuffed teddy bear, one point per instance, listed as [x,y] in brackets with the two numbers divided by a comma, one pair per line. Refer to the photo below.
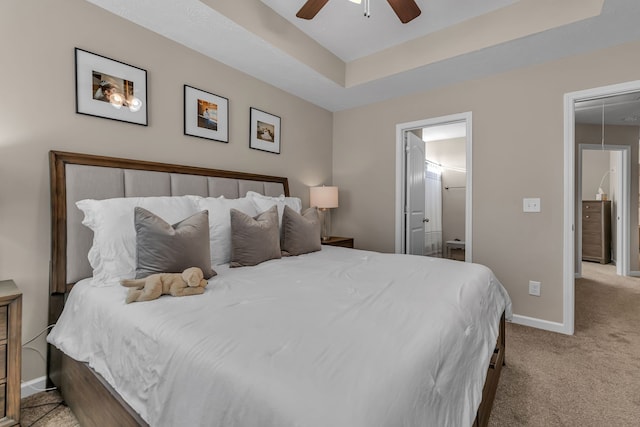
[190,282]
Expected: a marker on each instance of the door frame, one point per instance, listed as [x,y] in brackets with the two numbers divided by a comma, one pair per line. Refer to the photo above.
[400,205]
[568,251]
[623,194]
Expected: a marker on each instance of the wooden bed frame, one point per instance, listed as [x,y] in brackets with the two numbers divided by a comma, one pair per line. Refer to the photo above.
[92,399]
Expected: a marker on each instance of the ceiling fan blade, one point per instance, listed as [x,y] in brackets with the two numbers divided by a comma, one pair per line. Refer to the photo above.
[406,10]
[311,8]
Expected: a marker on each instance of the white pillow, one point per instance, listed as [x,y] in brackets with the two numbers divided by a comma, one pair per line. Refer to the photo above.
[113,254]
[263,203]
[220,223]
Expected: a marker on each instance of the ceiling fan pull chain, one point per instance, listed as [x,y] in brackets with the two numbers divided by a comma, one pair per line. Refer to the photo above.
[602,142]
[367,8]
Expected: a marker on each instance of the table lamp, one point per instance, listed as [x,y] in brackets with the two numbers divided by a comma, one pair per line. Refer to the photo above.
[324,198]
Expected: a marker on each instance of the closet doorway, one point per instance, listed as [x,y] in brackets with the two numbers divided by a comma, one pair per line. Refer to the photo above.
[433,187]
[608,127]
[613,123]
[603,183]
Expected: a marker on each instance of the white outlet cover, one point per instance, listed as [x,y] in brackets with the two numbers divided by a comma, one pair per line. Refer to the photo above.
[531,205]
[534,288]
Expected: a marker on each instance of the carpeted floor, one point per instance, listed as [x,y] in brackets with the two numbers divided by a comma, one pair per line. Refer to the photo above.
[589,379]
[45,409]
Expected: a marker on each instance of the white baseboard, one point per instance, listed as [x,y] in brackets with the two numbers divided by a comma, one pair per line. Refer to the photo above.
[539,323]
[36,385]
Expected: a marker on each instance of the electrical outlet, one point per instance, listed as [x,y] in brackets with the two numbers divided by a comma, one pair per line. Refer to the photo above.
[531,205]
[534,288]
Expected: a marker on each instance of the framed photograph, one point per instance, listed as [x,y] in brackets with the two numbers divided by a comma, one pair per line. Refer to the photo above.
[110,89]
[264,131]
[205,115]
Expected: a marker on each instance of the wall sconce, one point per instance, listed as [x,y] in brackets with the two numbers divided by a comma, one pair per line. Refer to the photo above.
[324,198]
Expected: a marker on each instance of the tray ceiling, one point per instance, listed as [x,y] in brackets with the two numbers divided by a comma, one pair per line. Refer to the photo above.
[471,40]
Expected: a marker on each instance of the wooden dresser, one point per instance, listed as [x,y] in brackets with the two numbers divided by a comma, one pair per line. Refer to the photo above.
[596,231]
[10,352]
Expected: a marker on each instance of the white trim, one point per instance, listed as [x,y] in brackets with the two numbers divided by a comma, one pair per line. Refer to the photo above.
[568,258]
[399,206]
[624,159]
[400,176]
[468,223]
[568,245]
[538,323]
[36,385]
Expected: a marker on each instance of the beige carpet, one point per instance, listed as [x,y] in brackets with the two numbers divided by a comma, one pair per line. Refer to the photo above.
[45,409]
[589,379]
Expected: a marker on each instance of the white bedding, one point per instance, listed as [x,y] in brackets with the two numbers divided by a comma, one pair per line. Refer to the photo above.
[340,337]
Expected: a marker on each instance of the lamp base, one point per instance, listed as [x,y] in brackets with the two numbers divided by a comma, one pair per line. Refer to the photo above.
[325,233]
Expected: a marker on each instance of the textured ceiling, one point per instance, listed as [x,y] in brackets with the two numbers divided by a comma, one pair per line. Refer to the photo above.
[194,24]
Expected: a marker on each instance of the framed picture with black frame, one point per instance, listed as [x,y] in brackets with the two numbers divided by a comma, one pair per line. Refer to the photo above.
[206,115]
[264,131]
[110,89]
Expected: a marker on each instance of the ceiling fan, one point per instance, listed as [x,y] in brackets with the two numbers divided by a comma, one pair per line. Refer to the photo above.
[406,10]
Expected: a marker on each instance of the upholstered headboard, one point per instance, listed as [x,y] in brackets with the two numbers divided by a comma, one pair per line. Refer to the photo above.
[79,176]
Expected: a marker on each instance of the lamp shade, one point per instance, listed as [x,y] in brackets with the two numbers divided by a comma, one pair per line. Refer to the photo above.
[324,197]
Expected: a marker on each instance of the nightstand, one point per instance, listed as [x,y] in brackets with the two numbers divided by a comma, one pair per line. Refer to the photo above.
[10,352]
[345,242]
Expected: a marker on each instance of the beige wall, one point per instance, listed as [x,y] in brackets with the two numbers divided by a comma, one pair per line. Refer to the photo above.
[517,152]
[595,164]
[37,114]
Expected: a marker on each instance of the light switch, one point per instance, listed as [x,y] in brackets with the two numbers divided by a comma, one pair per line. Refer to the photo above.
[531,205]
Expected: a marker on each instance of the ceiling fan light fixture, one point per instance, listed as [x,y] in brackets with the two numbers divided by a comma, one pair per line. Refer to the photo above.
[406,10]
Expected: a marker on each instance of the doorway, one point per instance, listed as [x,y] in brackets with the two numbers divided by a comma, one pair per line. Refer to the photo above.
[630,90]
[412,169]
[603,180]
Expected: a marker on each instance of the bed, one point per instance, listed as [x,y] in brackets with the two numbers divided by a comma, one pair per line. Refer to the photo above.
[335,337]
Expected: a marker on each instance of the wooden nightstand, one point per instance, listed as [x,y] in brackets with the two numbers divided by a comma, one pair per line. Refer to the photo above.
[345,242]
[10,352]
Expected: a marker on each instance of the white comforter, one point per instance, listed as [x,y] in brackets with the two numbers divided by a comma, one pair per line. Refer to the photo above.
[340,338]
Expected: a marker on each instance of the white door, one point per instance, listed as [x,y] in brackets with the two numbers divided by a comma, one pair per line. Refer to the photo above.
[415,194]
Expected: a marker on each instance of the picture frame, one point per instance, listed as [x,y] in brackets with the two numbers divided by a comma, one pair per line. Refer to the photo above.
[110,89]
[206,115]
[264,131]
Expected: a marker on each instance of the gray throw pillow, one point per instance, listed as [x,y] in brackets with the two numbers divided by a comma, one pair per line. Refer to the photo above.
[165,248]
[300,232]
[254,240]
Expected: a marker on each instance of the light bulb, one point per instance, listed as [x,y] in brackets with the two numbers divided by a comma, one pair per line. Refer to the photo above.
[135,105]
[116,100]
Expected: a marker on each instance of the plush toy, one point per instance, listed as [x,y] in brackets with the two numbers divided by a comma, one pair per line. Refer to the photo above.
[190,282]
